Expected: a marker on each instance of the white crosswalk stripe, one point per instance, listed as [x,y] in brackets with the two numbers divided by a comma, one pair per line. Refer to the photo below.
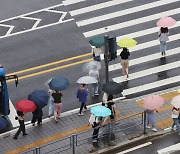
[151,42]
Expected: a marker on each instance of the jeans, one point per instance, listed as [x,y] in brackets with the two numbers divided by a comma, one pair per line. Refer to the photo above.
[163,46]
[51,105]
[82,105]
[94,88]
[57,110]
[21,128]
[95,133]
[176,122]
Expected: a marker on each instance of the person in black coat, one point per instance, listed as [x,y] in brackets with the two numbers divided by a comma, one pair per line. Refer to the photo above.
[37,116]
[20,118]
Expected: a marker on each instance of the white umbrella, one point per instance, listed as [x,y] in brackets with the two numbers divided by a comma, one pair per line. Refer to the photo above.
[87,80]
[176,101]
[91,66]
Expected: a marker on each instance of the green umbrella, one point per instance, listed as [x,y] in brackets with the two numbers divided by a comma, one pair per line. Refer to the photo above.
[127,42]
[97,41]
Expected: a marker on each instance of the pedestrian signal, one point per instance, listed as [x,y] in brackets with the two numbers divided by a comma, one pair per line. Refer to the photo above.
[112,48]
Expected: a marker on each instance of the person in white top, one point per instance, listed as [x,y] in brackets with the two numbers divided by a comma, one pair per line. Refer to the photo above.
[95,74]
[163,38]
[174,115]
[96,52]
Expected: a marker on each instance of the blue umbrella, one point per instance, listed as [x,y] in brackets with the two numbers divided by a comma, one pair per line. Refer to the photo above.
[39,97]
[3,123]
[58,83]
[100,111]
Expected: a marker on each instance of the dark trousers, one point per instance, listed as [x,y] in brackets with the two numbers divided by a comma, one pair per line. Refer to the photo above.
[21,128]
[39,119]
[95,133]
[82,105]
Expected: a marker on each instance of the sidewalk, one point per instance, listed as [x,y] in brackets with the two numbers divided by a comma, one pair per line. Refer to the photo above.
[70,123]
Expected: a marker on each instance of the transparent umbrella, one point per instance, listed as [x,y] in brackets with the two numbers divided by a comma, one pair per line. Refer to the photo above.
[91,66]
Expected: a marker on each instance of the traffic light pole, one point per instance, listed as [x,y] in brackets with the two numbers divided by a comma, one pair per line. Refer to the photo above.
[106,57]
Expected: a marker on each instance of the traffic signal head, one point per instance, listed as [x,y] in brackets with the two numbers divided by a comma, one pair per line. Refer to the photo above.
[112,48]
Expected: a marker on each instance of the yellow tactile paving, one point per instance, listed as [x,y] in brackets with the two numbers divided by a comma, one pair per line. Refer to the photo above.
[167,96]
[165,123]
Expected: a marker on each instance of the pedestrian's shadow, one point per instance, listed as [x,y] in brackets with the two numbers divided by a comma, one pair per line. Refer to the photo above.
[163,74]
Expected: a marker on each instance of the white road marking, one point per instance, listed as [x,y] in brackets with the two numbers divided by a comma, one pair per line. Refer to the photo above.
[131,23]
[144,59]
[9,30]
[118,13]
[97,7]
[30,13]
[150,71]
[170,149]
[35,24]
[12,115]
[135,148]
[151,85]
[69,2]
[37,28]
[145,32]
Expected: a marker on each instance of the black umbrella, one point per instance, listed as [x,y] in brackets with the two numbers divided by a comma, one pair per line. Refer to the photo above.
[113,88]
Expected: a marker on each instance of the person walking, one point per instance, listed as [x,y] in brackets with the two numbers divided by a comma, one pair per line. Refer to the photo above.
[174,115]
[51,103]
[163,38]
[37,116]
[104,99]
[124,61]
[20,118]
[110,105]
[57,95]
[94,86]
[150,119]
[82,94]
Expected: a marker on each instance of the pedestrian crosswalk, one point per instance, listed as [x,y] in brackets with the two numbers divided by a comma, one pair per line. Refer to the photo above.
[134,19]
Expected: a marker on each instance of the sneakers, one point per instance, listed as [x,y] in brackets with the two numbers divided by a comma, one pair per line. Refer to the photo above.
[15,138]
[148,127]
[80,114]
[154,129]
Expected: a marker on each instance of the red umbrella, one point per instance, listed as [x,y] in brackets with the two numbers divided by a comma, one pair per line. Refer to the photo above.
[166,22]
[25,106]
[153,102]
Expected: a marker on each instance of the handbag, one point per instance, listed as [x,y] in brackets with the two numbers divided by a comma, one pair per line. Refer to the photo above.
[97,58]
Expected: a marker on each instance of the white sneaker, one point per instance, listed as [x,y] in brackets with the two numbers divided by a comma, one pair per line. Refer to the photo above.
[80,114]
[148,127]
[154,129]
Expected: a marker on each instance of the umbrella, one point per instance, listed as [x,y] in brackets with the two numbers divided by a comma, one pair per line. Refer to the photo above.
[87,80]
[97,41]
[3,123]
[153,102]
[100,111]
[25,106]
[176,101]
[58,83]
[91,66]
[112,88]
[127,42]
[166,22]
[39,97]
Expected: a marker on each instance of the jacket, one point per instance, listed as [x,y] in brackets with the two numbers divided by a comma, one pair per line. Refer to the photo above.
[82,95]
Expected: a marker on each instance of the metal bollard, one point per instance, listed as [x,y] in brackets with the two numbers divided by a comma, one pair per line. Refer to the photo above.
[73,142]
[144,122]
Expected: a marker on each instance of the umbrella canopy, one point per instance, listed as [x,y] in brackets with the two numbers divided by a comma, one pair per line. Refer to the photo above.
[100,111]
[153,102]
[87,80]
[25,106]
[3,123]
[97,41]
[58,83]
[112,88]
[176,101]
[39,97]
[91,66]
[166,22]
[127,42]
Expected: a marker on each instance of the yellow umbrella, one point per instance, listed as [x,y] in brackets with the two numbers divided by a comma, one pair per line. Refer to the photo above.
[127,42]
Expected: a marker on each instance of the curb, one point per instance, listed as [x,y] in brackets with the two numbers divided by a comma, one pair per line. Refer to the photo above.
[122,144]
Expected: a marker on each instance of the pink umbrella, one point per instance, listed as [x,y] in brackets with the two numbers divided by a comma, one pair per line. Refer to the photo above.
[166,22]
[176,101]
[153,102]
